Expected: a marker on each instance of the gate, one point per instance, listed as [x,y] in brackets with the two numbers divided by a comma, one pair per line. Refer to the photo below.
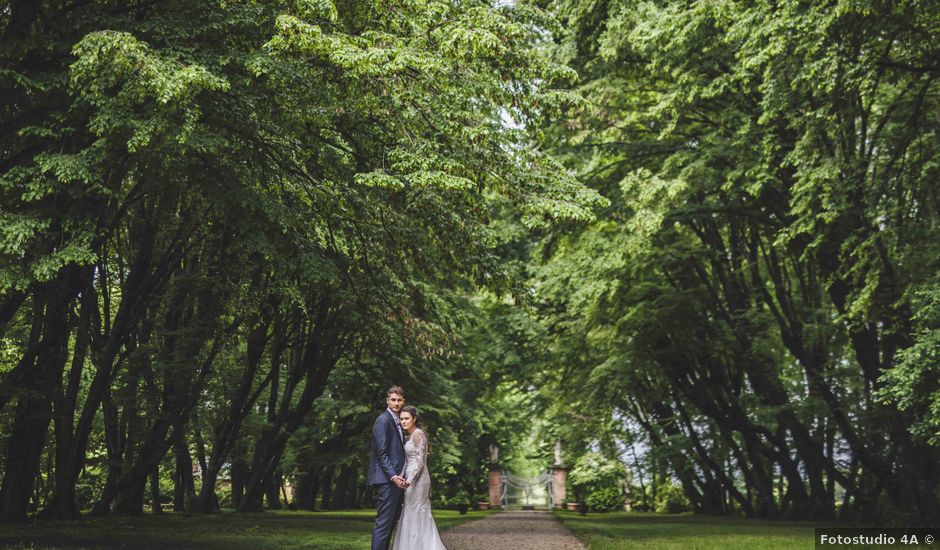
[518,493]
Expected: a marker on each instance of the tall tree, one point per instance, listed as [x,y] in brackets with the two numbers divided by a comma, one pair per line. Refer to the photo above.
[199,192]
[764,163]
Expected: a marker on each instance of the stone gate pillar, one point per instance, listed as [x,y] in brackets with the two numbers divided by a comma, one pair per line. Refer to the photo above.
[559,477]
[496,481]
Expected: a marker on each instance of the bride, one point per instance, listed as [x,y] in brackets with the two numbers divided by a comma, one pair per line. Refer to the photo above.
[416,529]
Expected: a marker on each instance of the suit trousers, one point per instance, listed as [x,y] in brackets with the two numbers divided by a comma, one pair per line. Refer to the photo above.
[388,501]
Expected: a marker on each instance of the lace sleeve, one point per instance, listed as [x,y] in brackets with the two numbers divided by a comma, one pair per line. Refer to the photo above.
[420,440]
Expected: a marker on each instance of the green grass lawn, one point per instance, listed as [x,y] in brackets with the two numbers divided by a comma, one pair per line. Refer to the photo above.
[346,530]
[622,531]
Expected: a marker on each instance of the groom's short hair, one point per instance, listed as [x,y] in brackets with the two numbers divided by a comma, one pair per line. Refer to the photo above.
[395,389]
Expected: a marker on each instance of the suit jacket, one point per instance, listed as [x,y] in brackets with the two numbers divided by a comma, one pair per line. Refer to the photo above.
[387,457]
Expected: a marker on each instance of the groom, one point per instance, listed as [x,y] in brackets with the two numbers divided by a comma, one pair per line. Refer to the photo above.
[386,464]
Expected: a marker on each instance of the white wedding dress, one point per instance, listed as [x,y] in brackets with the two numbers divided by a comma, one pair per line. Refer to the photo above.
[416,528]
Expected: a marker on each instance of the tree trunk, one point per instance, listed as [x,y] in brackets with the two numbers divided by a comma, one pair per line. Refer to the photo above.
[327,502]
[272,490]
[244,399]
[34,408]
[68,464]
[306,489]
[156,502]
[312,367]
[208,500]
[184,490]
[239,480]
[342,497]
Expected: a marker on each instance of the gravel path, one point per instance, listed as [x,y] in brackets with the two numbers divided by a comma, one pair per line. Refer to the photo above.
[512,531]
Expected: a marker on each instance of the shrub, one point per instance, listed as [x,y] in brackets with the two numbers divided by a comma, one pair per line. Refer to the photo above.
[670,499]
[225,497]
[606,499]
[598,480]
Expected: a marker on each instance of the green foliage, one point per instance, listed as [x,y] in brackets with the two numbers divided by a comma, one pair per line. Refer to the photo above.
[238,223]
[460,500]
[670,499]
[913,383]
[599,481]
[764,266]
[261,215]
[605,499]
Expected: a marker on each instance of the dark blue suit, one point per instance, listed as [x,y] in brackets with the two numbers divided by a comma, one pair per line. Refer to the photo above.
[386,460]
